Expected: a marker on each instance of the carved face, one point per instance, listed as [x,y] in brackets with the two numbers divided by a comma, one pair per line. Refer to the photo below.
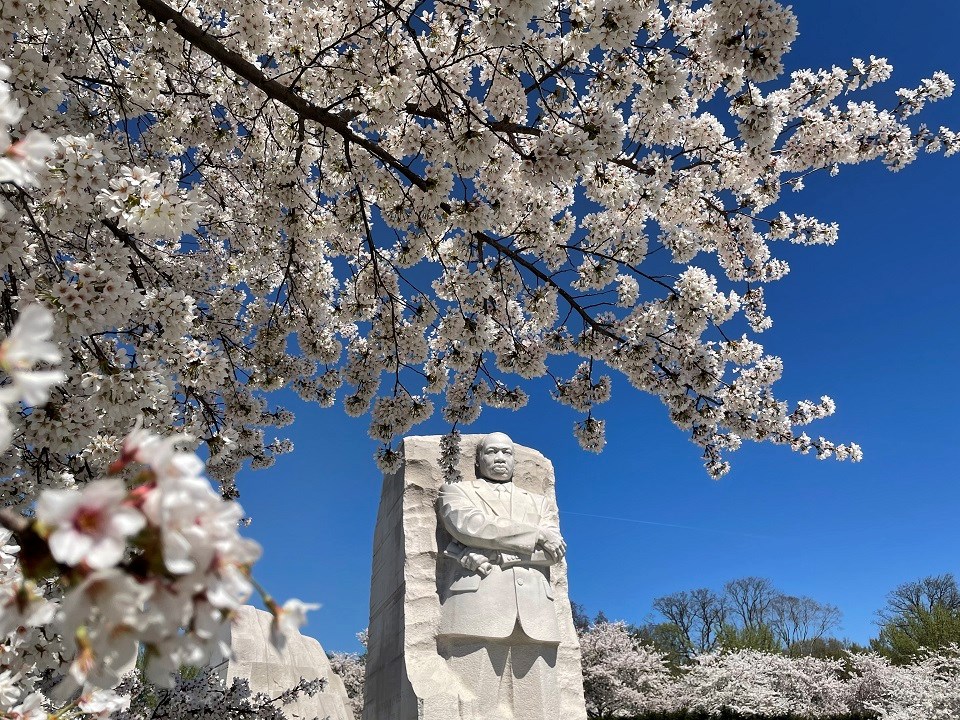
[495,459]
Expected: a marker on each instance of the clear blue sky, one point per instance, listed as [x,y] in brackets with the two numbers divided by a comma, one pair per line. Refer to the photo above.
[872,322]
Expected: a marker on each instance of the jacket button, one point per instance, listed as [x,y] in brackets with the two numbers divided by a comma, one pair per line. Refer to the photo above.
[519,582]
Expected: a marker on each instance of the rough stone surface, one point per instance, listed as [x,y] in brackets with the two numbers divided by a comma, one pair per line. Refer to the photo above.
[271,671]
[407,679]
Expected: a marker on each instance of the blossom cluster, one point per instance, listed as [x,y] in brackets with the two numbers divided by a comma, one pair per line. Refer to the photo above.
[624,677]
[203,696]
[351,667]
[376,204]
[146,560]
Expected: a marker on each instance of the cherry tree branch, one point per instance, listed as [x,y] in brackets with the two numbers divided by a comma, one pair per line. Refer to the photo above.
[236,63]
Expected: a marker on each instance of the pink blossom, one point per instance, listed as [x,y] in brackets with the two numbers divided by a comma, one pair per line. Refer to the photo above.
[30,709]
[90,526]
[24,158]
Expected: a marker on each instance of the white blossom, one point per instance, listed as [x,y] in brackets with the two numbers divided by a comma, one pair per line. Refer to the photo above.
[90,526]
[28,344]
[102,703]
[288,619]
[621,675]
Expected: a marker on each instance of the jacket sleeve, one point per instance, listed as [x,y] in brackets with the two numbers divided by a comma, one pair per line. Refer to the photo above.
[477,527]
[549,515]
[549,520]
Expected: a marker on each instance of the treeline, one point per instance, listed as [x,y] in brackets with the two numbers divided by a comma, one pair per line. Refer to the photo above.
[752,614]
[624,677]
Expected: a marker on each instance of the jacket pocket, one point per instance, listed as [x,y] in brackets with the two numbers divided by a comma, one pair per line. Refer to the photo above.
[547,590]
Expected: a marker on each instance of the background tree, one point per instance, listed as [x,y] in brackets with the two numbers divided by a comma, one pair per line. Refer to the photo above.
[799,620]
[826,648]
[920,614]
[627,677]
[759,638]
[679,612]
[697,615]
[750,613]
[352,668]
[750,600]
[581,620]
[666,639]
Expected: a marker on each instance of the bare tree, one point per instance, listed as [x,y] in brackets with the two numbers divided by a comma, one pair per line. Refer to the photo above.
[711,610]
[922,596]
[800,619]
[678,609]
[697,615]
[750,599]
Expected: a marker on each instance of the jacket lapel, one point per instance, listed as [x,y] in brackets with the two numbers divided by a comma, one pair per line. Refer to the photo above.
[498,503]
[484,494]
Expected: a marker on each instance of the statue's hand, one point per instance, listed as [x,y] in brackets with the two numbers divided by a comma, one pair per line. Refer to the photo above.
[552,543]
[476,562]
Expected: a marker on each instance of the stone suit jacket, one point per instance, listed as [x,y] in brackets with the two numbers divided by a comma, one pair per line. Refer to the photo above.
[518,586]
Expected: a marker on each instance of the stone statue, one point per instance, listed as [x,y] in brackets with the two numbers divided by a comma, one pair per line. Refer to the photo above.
[498,627]
[469,606]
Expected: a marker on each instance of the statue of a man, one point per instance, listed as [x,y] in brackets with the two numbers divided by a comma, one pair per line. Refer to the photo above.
[498,628]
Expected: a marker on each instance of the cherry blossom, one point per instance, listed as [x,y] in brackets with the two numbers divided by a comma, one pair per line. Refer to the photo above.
[90,526]
[28,344]
[387,219]
[204,697]
[102,703]
[109,570]
[621,674]
[288,619]
[623,677]
[351,667]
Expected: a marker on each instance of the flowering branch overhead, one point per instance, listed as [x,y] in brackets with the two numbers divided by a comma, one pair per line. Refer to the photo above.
[433,203]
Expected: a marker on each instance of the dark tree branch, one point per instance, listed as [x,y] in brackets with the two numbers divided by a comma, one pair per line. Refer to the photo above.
[235,62]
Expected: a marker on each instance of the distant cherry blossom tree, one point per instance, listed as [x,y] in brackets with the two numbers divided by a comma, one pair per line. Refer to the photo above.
[623,678]
[762,683]
[621,675]
[351,667]
[929,687]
